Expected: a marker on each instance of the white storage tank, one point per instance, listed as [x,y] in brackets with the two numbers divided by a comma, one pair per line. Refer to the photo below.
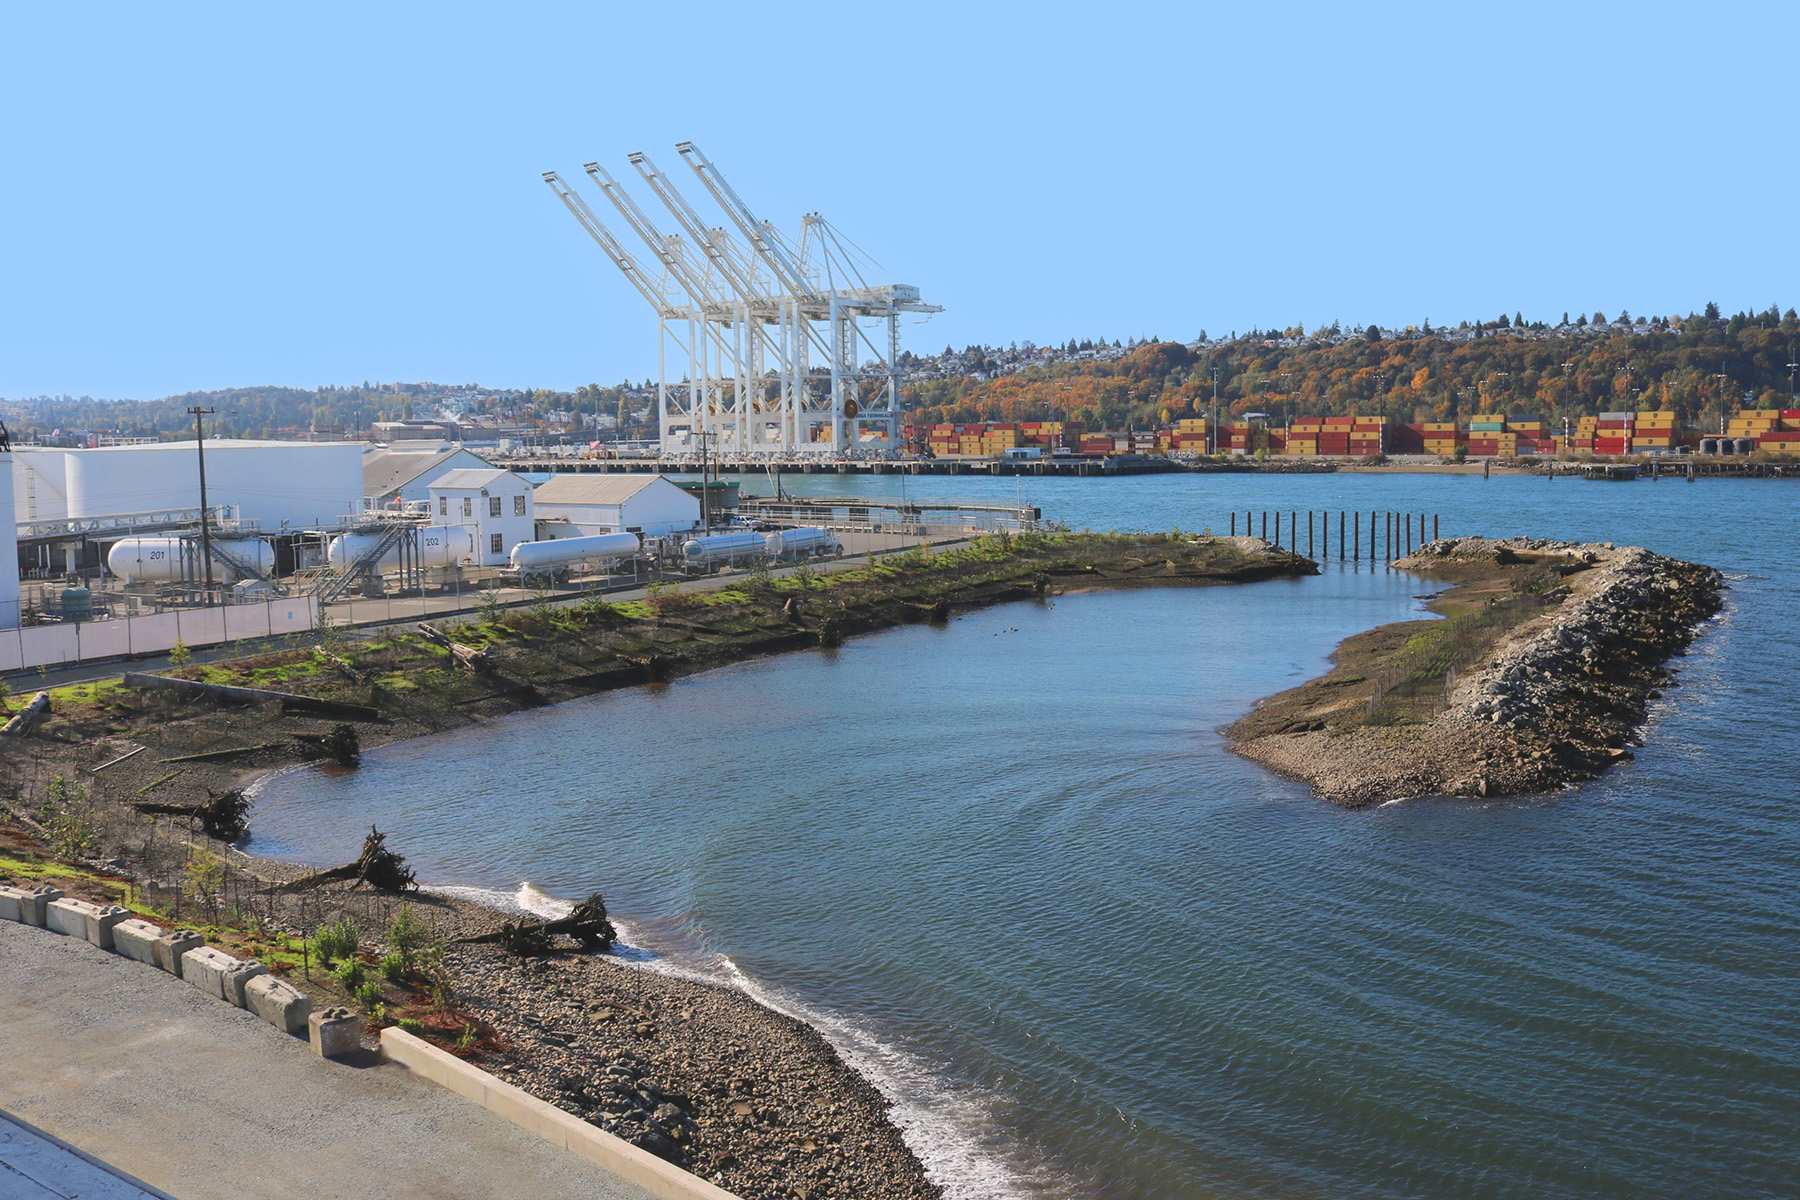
[159,559]
[562,552]
[803,542]
[439,546]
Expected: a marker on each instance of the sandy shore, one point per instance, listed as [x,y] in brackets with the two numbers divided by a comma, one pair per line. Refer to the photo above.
[1552,700]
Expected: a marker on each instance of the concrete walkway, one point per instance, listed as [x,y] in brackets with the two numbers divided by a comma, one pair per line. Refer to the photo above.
[203,1101]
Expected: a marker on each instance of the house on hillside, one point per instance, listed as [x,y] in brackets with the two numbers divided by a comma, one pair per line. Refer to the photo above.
[647,504]
[498,504]
[394,475]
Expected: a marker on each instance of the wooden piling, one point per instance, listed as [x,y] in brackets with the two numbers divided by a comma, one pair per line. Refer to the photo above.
[1340,535]
[1234,522]
[1265,525]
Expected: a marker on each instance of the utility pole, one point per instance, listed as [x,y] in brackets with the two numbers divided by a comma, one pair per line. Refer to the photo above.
[205,524]
[705,509]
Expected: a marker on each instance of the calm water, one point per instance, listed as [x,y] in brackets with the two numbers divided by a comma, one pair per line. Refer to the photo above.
[1009,868]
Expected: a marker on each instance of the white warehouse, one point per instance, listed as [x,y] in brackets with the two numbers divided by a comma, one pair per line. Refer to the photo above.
[299,485]
[406,471]
[498,504]
[647,504]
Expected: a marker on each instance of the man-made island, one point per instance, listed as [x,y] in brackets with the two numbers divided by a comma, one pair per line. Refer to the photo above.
[1539,675]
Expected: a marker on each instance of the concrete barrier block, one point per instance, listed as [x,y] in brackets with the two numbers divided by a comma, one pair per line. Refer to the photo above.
[334,1032]
[69,917]
[102,921]
[136,939]
[237,979]
[206,968]
[279,1003]
[12,903]
[172,945]
[36,904]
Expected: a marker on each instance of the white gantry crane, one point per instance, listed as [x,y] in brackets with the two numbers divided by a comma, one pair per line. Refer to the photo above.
[773,332]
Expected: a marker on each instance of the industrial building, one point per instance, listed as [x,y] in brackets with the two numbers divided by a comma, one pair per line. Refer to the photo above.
[275,485]
[594,504]
[393,475]
[779,346]
[497,504]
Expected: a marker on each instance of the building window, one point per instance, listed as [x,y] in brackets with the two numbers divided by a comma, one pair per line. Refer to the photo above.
[518,506]
[468,506]
[443,506]
[494,544]
[493,506]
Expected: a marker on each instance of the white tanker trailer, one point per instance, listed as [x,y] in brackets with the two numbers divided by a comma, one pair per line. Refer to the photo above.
[808,541]
[716,549]
[559,554]
[173,559]
[439,546]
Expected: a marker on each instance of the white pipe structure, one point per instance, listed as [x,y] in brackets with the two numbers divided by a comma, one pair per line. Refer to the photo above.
[749,316]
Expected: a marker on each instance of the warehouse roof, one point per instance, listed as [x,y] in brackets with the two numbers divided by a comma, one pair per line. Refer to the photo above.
[472,477]
[387,471]
[594,489]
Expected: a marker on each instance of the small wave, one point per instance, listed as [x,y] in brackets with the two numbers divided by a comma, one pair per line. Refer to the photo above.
[526,900]
[943,1124]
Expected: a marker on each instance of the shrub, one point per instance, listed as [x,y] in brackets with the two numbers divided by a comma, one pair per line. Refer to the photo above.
[180,655]
[69,820]
[393,966]
[350,974]
[336,941]
[407,935]
[469,1038]
[368,995]
[412,1025]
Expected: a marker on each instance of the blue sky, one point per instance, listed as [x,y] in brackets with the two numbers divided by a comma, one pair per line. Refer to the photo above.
[205,197]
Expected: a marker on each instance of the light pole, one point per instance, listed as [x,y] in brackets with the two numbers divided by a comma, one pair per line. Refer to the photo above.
[1724,382]
[205,524]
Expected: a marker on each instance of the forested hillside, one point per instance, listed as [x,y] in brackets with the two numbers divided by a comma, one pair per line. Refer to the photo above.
[1697,366]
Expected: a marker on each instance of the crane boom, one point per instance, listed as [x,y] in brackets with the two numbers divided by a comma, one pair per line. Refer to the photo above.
[621,257]
[690,221]
[767,244]
[665,248]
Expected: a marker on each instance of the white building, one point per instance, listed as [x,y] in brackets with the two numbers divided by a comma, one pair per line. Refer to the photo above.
[299,485]
[647,504]
[9,548]
[395,474]
[498,504]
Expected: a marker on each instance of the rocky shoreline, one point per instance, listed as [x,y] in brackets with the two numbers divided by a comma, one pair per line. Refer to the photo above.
[1557,700]
[703,1075]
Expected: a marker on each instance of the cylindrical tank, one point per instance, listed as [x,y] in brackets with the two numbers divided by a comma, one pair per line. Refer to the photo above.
[794,543]
[547,556]
[1709,445]
[77,604]
[159,559]
[439,546]
[1746,445]
[723,547]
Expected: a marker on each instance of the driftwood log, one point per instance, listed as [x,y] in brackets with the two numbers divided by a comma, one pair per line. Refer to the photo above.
[225,815]
[341,744]
[383,869]
[464,656]
[587,925]
[26,717]
[227,694]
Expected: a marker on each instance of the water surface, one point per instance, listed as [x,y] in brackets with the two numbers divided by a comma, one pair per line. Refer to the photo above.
[1010,869]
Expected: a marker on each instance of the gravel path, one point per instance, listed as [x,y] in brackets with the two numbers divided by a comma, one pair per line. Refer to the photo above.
[203,1100]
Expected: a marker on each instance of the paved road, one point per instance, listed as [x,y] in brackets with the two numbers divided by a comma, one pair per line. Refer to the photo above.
[206,1102]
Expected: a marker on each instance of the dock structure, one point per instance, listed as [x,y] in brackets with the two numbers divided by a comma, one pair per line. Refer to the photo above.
[1072,466]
